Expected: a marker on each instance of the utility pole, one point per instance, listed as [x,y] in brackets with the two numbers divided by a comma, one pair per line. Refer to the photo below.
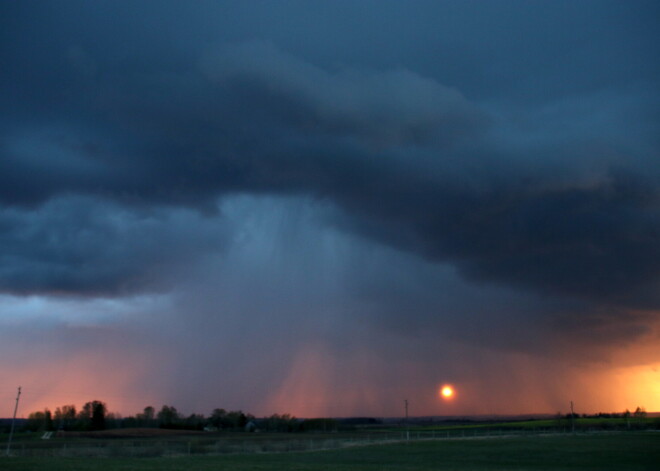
[407,426]
[572,419]
[11,430]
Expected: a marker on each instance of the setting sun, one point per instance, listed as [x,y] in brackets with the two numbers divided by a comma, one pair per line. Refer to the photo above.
[447,392]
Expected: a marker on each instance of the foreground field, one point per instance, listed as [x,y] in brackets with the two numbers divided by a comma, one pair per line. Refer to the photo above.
[603,451]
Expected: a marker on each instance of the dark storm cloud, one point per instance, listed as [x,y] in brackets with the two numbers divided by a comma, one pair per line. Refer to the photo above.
[556,199]
[85,247]
[265,203]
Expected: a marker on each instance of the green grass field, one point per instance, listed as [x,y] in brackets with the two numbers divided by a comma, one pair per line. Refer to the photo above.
[581,423]
[602,451]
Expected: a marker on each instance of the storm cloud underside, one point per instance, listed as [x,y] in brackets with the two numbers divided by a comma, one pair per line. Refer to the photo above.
[279,208]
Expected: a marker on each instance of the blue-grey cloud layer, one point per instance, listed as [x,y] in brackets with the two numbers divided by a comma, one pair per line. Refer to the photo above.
[517,142]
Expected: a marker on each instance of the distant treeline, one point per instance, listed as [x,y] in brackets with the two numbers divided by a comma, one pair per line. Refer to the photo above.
[94,415]
[640,413]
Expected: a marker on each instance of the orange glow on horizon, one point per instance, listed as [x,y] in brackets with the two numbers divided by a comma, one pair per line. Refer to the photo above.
[49,385]
[638,386]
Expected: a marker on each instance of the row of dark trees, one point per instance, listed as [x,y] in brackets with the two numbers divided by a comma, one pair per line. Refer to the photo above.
[632,419]
[94,416]
[640,414]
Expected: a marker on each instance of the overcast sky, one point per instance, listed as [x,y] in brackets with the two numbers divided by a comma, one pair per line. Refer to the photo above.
[327,207]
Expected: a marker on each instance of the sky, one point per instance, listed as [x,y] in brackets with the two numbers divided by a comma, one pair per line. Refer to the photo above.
[326,208]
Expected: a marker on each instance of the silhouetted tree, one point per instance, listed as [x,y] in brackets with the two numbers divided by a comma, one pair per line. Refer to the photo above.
[147,418]
[92,416]
[222,419]
[324,425]
[40,421]
[99,410]
[194,422]
[640,413]
[282,423]
[640,416]
[149,413]
[113,420]
[168,417]
[65,417]
[218,418]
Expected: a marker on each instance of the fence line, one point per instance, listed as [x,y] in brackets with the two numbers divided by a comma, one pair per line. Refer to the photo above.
[156,447]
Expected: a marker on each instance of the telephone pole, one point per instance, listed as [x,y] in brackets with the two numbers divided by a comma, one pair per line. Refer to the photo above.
[11,430]
[572,419]
[407,426]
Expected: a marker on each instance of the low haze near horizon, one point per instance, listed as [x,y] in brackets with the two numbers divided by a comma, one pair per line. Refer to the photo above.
[325,208]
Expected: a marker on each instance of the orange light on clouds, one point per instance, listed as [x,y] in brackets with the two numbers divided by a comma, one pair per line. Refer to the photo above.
[637,386]
[447,392]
